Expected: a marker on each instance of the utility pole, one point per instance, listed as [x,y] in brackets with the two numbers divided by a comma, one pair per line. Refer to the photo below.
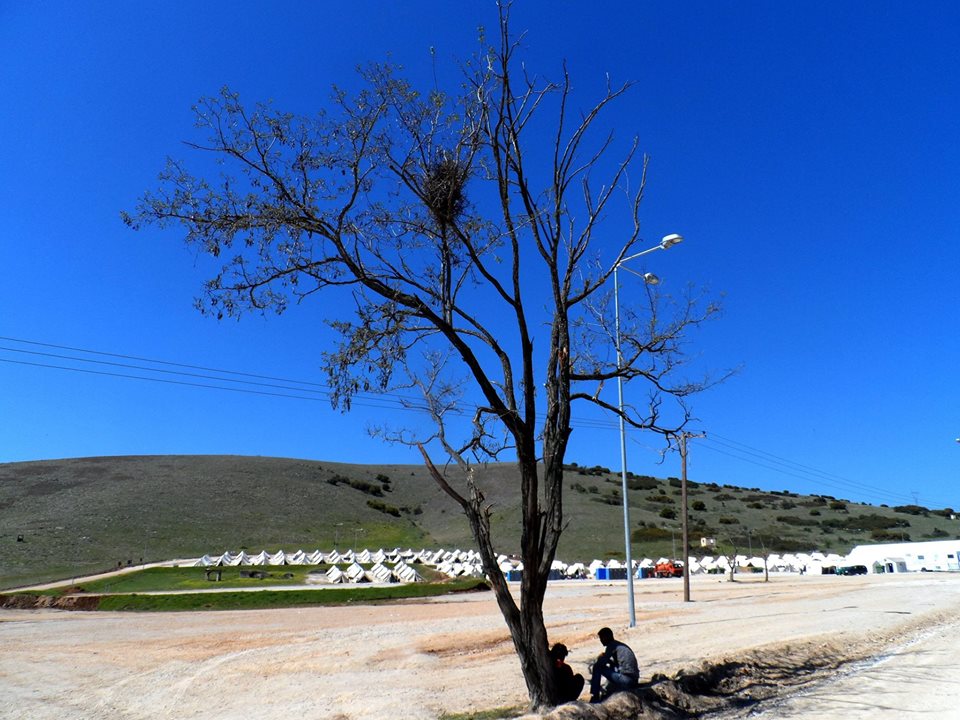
[685,541]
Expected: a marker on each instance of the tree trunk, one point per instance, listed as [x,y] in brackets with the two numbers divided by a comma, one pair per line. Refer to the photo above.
[526,625]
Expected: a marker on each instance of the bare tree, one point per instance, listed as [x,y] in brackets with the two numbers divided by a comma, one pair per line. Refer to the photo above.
[455,228]
[732,557]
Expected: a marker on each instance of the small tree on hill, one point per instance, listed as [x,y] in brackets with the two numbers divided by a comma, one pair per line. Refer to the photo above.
[456,229]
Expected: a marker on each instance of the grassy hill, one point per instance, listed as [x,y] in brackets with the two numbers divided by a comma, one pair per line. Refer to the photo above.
[64,518]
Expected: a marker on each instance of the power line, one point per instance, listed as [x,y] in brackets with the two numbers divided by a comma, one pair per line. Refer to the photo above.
[154,361]
[167,381]
[251,383]
[167,372]
[754,456]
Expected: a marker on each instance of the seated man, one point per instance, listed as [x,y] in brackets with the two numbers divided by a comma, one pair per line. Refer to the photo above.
[567,685]
[617,664]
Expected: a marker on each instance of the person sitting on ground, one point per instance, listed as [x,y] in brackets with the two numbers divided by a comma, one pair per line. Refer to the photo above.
[567,685]
[617,664]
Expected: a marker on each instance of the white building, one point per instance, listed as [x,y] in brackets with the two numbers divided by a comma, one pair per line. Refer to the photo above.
[932,555]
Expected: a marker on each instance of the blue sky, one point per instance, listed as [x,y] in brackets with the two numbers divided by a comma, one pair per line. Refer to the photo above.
[808,153]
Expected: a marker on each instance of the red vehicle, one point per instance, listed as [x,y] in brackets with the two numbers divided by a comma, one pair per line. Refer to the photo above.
[668,569]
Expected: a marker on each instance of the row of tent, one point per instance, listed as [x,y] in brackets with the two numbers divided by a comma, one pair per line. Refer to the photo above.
[394,565]
[334,557]
[354,573]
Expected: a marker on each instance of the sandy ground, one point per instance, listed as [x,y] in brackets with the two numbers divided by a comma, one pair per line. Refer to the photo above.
[918,678]
[419,660]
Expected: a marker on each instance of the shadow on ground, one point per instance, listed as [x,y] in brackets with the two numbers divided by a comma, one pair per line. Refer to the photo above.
[723,689]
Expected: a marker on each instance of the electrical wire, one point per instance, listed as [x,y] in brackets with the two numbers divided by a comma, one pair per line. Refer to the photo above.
[288,388]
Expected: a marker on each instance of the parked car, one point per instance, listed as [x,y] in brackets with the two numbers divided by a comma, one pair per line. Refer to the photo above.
[852,570]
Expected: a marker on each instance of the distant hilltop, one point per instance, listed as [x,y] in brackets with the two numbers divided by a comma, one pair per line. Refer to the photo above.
[61,518]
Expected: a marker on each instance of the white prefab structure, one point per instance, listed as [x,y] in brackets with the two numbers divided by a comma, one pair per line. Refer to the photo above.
[939,555]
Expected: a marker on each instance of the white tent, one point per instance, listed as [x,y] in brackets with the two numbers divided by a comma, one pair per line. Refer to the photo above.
[355,573]
[381,574]
[335,575]
[406,573]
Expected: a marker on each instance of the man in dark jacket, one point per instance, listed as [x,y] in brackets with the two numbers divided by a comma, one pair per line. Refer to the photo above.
[617,664]
[567,684]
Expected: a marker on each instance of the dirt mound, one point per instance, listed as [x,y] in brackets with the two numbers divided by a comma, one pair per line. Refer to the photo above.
[29,601]
[721,688]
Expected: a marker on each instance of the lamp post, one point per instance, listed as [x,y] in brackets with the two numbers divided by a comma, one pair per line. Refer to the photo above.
[668,241]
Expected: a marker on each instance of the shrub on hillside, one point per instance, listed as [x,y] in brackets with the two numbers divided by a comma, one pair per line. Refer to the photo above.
[384,508]
[870,521]
[699,505]
[838,505]
[649,534]
[665,499]
[796,521]
[595,470]
[642,482]
[888,536]
[668,513]
[782,545]
[361,485]
[912,510]
[729,521]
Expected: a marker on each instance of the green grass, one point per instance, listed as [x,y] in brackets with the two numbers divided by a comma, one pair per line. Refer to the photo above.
[284,598]
[265,599]
[195,578]
[495,714]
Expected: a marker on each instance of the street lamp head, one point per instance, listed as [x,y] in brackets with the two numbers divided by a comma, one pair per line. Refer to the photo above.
[651,279]
[671,240]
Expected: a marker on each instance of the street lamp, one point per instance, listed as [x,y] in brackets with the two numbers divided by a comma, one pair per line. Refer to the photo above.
[668,241]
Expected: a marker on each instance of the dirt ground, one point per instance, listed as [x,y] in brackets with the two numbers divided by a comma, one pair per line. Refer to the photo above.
[778,649]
